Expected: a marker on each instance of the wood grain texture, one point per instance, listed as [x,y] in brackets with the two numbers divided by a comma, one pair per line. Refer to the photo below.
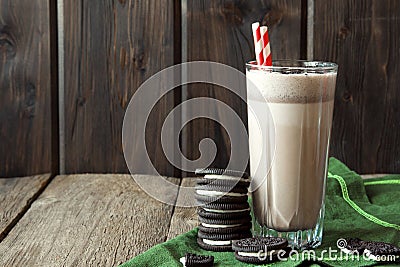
[183,219]
[87,220]
[362,37]
[221,31]
[111,47]
[16,195]
[25,82]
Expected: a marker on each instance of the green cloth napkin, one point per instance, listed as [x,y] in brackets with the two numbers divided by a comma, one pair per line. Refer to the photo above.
[367,209]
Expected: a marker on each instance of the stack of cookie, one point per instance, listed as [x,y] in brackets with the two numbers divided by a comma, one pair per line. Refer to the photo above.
[224,212]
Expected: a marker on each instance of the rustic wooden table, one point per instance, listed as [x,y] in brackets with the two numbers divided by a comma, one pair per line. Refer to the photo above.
[84,220]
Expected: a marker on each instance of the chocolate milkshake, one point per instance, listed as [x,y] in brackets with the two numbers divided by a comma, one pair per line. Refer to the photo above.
[289,131]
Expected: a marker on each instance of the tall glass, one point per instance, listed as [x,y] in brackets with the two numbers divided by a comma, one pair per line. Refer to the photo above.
[290,106]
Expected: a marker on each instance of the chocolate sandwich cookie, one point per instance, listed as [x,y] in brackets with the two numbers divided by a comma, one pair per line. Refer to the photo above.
[259,250]
[193,260]
[224,226]
[204,199]
[223,182]
[219,242]
[373,250]
[381,251]
[222,172]
[352,246]
[224,223]
[218,217]
[224,215]
[246,227]
[226,207]
[222,237]
[214,245]
[220,190]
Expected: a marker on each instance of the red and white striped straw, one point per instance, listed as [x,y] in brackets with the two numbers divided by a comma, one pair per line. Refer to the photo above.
[266,49]
[258,45]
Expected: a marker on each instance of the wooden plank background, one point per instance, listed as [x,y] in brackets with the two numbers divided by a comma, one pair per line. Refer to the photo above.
[26,132]
[363,38]
[220,31]
[112,46]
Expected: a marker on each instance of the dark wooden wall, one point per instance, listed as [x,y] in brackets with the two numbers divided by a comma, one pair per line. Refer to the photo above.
[229,41]
[363,37]
[112,46]
[28,126]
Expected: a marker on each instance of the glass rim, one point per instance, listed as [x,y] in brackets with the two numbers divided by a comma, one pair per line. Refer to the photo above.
[288,64]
